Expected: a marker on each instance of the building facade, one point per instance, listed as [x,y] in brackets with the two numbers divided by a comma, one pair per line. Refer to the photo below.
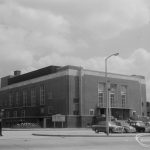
[148,109]
[74,92]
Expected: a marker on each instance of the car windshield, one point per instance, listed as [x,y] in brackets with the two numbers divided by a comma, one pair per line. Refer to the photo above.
[122,123]
[140,124]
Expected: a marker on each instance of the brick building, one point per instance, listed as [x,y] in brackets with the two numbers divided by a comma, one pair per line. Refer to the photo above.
[148,108]
[74,92]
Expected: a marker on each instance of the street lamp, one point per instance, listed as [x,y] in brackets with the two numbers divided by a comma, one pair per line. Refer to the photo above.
[107,96]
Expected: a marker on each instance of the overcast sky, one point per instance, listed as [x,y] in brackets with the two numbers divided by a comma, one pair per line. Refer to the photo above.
[39,33]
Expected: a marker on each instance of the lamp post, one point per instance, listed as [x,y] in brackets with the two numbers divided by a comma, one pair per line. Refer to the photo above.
[106,91]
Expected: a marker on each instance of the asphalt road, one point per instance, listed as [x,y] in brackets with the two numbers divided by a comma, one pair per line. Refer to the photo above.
[24,140]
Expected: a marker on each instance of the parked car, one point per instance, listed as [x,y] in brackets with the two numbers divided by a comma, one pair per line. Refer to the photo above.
[147,127]
[138,125]
[127,128]
[113,128]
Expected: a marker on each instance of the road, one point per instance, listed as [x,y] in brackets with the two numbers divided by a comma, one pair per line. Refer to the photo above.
[24,140]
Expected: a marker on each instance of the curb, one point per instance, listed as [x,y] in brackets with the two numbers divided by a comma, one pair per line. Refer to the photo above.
[61,135]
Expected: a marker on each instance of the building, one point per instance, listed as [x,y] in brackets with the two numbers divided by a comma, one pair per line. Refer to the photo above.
[76,93]
[148,108]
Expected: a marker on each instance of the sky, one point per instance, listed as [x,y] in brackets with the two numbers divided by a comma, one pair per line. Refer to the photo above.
[40,33]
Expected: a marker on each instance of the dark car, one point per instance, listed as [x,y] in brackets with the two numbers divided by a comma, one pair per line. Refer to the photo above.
[127,128]
[147,127]
[113,128]
[138,125]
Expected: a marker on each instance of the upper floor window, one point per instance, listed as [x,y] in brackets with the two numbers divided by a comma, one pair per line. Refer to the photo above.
[113,88]
[101,89]
[42,95]
[7,114]
[123,89]
[23,113]
[123,99]
[112,99]
[101,99]
[10,99]
[50,95]
[25,98]
[123,95]
[33,96]
[17,98]
[15,113]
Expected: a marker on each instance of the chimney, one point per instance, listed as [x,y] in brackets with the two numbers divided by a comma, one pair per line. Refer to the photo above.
[17,73]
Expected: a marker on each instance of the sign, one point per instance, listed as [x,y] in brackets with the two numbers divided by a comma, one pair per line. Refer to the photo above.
[58,118]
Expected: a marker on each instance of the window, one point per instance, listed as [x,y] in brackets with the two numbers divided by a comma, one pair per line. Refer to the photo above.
[91,112]
[7,114]
[15,114]
[50,96]
[24,98]
[10,99]
[101,99]
[17,98]
[42,110]
[123,95]
[101,89]
[76,112]
[33,97]
[22,113]
[42,95]
[50,109]
[123,99]
[113,88]
[76,100]
[76,109]
[112,99]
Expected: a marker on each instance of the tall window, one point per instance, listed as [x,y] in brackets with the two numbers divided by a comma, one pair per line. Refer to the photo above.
[33,96]
[101,99]
[10,99]
[76,106]
[24,98]
[7,114]
[101,89]
[112,99]
[42,95]
[15,114]
[22,113]
[123,98]
[17,98]
[123,95]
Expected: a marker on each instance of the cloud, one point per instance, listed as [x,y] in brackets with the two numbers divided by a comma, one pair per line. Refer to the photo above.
[26,34]
[118,16]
